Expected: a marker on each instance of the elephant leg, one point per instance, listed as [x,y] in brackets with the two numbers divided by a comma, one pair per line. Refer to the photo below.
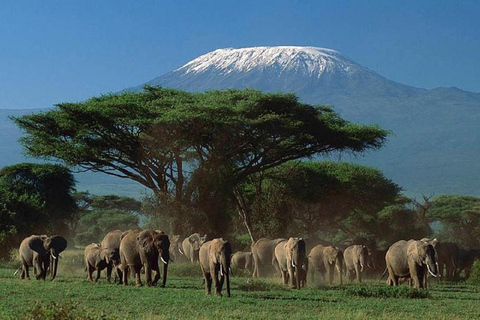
[118,275]
[331,271]
[109,272]
[138,280]
[218,287]
[98,274]
[358,274]
[208,283]
[148,274]
[157,276]
[125,275]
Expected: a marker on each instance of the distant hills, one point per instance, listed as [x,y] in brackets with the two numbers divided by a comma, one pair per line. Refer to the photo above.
[435,143]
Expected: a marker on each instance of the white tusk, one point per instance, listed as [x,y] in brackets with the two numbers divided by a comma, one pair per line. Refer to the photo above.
[431,271]
[15,273]
[53,256]
[293,264]
[221,270]
[163,260]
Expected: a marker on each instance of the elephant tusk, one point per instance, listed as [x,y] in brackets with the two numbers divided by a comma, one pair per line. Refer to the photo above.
[163,260]
[428,268]
[293,264]
[53,256]
[221,270]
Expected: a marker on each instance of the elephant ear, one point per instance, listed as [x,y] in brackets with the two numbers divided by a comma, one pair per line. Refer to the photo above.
[56,242]
[36,244]
[144,239]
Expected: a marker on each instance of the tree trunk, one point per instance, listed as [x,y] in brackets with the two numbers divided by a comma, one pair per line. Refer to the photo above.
[243,211]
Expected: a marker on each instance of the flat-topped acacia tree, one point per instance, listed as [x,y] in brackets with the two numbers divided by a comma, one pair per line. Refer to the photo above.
[181,144]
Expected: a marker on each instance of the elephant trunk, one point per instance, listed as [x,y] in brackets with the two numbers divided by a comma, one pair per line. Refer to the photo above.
[339,264]
[165,257]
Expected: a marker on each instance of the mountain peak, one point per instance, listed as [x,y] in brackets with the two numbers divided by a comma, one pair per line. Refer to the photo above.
[312,61]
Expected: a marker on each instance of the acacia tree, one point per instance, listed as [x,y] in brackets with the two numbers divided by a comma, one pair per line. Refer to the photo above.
[326,199]
[459,217]
[176,143]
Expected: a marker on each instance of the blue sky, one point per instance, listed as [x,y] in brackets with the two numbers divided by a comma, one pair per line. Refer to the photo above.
[65,50]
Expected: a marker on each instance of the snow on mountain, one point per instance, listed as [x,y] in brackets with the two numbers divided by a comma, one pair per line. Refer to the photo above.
[308,60]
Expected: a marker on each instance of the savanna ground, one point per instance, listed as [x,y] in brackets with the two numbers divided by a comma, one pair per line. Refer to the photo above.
[71,296]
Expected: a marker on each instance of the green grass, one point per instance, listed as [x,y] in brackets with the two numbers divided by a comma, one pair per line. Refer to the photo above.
[70,296]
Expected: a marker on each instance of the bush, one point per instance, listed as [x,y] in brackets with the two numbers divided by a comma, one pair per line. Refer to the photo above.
[387,292]
[475,273]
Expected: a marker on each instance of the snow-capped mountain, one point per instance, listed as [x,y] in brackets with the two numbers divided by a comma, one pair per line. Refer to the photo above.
[435,138]
[315,74]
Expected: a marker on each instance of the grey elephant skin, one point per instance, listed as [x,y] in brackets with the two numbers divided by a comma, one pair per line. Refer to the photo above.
[355,258]
[290,256]
[466,258]
[176,250]
[42,253]
[215,261]
[411,259]
[191,246]
[111,241]
[324,260]
[243,260]
[447,258]
[263,251]
[96,259]
[144,248]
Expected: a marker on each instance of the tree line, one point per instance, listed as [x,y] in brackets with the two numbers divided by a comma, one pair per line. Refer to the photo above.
[238,162]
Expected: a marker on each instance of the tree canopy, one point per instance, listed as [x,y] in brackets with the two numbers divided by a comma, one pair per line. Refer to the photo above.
[175,142]
[34,199]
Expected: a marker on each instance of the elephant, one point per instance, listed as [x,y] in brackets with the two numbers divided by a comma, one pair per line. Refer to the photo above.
[144,248]
[111,241]
[42,252]
[176,250]
[214,257]
[263,251]
[355,258]
[324,259]
[97,258]
[447,257]
[191,246]
[243,260]
[411,259]
[465,261]
[290,256]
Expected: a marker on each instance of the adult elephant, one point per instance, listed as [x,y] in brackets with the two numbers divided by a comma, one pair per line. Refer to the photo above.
[144,248]
[214,257]
[355,258]
[324,260]
[263,251]
[411,259]
[243,260]
[191,246]
[447,258]
[465,261]
[290,256]
[111,241]
[41,252]
[96,258]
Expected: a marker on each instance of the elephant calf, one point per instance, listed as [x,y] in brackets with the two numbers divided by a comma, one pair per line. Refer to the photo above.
[290,256]
[243,260]
[324,260]
[97,258]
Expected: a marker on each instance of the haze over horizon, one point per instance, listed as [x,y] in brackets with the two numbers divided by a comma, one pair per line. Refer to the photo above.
[66,52]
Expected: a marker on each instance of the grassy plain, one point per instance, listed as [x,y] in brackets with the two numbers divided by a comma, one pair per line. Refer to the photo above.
[70,296]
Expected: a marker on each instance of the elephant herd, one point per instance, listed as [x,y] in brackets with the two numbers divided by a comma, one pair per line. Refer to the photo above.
[126,253]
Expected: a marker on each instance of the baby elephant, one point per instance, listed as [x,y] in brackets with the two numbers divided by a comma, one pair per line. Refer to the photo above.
[243,260]
[97,258]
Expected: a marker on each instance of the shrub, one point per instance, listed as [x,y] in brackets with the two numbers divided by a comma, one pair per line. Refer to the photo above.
[474,277]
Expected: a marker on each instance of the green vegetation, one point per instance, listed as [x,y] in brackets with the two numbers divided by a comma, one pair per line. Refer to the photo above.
[70,296]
